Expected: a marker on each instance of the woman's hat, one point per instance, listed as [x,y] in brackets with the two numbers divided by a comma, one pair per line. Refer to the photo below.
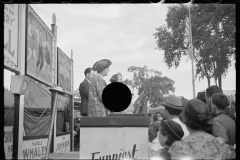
[173,128]
[101,65]
[175,102]
[114,78]
[199,111]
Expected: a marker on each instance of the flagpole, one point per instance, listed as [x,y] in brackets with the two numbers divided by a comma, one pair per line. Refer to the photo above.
[191,48]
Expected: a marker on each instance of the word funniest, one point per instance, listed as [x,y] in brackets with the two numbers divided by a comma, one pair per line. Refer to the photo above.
[127,155]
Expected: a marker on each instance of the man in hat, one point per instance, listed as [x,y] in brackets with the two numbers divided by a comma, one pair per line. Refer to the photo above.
[84,91]
[173,108]
[96,87]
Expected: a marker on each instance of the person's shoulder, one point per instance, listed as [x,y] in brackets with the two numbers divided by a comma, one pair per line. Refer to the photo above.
[223,118]
[83,82]
[96,77]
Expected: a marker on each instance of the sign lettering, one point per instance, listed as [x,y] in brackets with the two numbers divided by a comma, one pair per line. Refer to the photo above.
[8,135]
[11,32]
[36,152]
[121,155]
[61,147]
[34,149]
[63,144]
[8,141]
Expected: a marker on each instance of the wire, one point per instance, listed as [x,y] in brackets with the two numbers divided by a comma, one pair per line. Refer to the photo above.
[102,55]
[140,63]
[85,48]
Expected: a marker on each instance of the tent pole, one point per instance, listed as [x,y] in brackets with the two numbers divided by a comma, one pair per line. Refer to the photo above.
[57,90]
[51,126]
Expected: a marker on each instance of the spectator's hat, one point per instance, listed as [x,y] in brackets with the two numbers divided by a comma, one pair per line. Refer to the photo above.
[175,102]
[101,65]
[199,111]
[173,128]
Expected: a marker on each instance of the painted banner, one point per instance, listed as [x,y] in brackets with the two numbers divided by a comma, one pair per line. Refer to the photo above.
[63,144]
[8,141]
[11,35]
[64,70]
[34,149]
[39,48]
[113,143]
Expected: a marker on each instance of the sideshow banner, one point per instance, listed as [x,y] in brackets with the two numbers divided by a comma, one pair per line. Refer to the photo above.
[39,48]
[34,149]
[63,144]
[64,70]
[11,35]
[8,141]
[113,143]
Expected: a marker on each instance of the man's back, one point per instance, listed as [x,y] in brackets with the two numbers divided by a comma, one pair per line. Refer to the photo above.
[84,91]
[225,127]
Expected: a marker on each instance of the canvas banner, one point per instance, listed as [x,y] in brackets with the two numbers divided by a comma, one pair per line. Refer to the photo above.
[39,48]
[11,35]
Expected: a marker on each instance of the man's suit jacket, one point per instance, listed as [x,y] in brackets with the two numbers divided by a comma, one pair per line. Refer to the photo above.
[84,91]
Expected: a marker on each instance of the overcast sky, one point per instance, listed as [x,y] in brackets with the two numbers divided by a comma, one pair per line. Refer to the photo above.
[122,33]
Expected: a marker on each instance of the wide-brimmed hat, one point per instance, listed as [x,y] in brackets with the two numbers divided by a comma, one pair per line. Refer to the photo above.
[175,102]
[199,111]
[101,65]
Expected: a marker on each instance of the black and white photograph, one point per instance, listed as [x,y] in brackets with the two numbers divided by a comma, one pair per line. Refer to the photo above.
[127,81]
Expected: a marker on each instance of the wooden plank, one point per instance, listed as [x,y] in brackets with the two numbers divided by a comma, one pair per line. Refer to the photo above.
[68,155]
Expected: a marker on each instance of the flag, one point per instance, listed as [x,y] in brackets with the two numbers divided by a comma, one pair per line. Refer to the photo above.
[187,33]
[139,105]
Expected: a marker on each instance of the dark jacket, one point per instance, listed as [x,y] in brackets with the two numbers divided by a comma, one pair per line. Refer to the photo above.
[164,154]
[224,126]
[84,91]
[230,111]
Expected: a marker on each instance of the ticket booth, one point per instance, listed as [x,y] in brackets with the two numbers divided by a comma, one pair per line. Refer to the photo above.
[114,137]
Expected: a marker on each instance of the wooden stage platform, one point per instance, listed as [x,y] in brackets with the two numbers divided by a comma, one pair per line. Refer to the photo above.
[68,155]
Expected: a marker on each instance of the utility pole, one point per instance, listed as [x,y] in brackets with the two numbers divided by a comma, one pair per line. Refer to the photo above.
[191,50]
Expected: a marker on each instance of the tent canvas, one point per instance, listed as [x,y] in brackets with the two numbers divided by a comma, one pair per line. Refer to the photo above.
[8,99]
[37,108]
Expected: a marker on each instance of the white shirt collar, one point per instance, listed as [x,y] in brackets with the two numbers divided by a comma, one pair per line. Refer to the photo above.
[184,128]
[87,80]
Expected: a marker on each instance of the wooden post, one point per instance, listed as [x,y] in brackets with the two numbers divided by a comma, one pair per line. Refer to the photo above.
[18,127]
[72,107]
[55,90]
[54,51]
[191,44]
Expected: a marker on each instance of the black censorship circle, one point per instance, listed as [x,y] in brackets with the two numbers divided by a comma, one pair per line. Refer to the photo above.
[116,97]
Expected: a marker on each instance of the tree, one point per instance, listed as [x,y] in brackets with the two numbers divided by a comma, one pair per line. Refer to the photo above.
[154,85]
[213,36]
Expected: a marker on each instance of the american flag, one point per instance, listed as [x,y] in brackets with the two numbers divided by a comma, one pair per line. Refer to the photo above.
[140,105]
